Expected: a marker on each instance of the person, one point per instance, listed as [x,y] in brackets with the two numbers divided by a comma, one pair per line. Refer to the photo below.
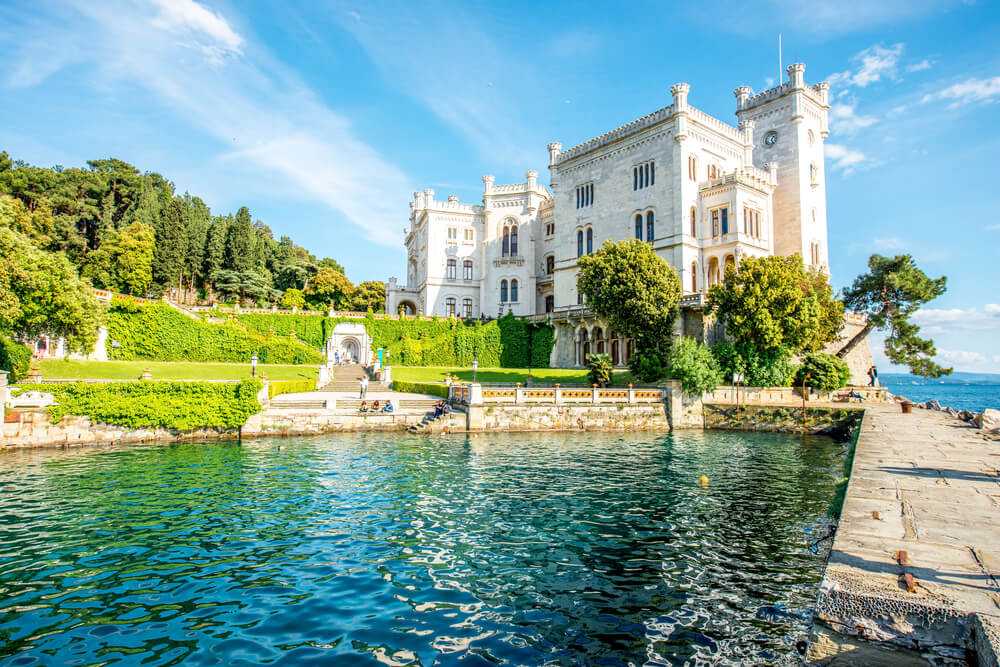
[446,408]
[336,357]
[438,409]
[388,406]
[375,406]
[872,377]
[364,386]
[854,394]
[364,406]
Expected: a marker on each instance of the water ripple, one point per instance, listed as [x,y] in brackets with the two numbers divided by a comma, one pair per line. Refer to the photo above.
[564,549]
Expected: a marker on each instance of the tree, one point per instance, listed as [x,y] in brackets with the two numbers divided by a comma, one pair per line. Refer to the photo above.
[328,263]
[293,298]
[240,243]
[774,302]
[215,246]
[330,289]
[171,245]
[822,371]
[693,364]
[599,369]
[197,219]
[134,259]
[892,290]
[41,294]
[634,289]
[243,284]
[369,294]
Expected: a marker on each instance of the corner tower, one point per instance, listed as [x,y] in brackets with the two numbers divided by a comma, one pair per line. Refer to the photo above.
[789,132]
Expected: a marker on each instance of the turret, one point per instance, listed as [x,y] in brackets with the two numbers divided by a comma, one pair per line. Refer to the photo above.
[680,93]
[743,94]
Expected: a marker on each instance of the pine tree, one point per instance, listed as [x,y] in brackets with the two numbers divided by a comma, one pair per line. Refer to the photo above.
[241,243]
[171,245]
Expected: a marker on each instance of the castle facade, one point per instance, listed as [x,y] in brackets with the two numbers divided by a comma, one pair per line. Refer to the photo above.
[703,193]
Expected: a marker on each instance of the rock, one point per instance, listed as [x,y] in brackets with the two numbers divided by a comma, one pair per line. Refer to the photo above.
[965,415]
[951,411]
[932,405]
[989,421]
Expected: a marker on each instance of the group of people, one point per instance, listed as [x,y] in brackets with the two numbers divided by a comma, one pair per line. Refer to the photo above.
[339,359]
[376,407]
[873,377]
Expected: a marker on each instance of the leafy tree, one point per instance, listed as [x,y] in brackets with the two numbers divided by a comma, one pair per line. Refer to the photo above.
[692,363]
[171,245]
[293,298]
[760,368]
[634,289]
[328,263]
[42,294]
[243,285]
[197,219]
[825,372]
[15,358]
[599,369]
[774,302]
[240,243]
[134,259]
[215,246]
[649,365]
[369,294]
[892,290]
[330,288]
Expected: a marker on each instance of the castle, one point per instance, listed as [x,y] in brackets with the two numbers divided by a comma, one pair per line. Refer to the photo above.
[703,193]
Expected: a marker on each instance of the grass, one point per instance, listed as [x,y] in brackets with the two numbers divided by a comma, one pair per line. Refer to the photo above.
[499,375]
[64,369]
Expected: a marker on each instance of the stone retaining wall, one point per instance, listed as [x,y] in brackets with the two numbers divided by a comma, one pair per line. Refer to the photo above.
[35,429]
[288,422]
[650,417]
[781,419]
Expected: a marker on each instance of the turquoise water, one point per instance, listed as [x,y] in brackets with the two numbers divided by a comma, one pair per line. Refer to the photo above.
[570,549]
[962,391]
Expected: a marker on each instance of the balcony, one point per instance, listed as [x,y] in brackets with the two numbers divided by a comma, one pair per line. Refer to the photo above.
[515,260]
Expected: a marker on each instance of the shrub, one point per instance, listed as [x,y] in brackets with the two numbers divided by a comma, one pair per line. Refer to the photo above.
[289,387]
[515,349]
[824,372]
[145,404]
[648,365]
[440,390]
[293,298]
[770,368]
[600,369]
[313,330]
[692,363]
[15,358]
[543,339]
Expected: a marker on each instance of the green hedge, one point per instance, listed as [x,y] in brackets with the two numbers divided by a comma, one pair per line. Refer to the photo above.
[420,388]
[158,332]
[289,387]
[15,358]
[543,339]
[313,330]
[145,404]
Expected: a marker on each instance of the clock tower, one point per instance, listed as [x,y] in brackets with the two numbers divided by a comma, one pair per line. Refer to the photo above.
[790,128]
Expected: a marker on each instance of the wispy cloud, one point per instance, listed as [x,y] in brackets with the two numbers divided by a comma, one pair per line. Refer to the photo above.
[871,65]
[920,66]
[890,243]
[260,112]
[935,321]
[846,159]
[965,92]
[992,228]
[843,119]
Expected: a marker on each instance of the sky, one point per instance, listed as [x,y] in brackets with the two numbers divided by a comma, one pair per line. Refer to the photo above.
[324,117]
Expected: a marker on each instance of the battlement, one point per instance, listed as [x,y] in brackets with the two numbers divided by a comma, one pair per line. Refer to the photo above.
[746,99]
[424,201]
[754,177]
[614,135]
[720,126]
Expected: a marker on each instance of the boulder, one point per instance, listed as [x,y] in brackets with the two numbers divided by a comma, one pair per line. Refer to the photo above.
[989,421]
[932,405]
[965,415]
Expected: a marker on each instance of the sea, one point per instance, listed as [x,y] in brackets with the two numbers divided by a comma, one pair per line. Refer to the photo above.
[962,391]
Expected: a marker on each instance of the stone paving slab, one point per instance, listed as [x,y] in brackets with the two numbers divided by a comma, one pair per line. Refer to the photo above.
[925,484]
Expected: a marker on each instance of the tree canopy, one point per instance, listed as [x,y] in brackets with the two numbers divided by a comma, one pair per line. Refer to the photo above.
[634,289]
[774,302]
[888,294]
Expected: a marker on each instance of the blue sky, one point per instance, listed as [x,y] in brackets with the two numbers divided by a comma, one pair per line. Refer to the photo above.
[324,117]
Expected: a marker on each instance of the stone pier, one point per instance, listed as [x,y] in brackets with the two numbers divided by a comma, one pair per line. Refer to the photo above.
[914,572]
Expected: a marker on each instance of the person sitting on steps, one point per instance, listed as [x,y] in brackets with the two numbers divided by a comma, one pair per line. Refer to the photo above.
[364,406]
[388,406]
[376,407]
[438,409]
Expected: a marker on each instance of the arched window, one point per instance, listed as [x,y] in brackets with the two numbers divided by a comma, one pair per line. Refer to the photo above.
[513,290]
[449,305]
[550,265]
[649,227]
[694,230]
[638,226]
[467,269]
[694,276]
[579,243]
[550,303]
[506,241]
[503,291]
[467,307]
[590,240]
[513,240]
[452,264]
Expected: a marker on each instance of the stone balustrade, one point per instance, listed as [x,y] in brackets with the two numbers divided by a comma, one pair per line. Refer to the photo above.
[477,394]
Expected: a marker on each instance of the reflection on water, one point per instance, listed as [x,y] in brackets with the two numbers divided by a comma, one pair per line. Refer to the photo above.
[352,549]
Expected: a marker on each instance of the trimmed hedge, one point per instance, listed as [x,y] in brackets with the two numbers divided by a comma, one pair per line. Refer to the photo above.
[158,332]
[145,404]
[289,387]
[440,390]
[15,358]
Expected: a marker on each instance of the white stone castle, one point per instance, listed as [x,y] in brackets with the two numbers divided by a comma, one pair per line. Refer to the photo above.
[703,193]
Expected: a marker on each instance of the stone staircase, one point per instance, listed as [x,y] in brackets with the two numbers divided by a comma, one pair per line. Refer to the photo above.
[345,379]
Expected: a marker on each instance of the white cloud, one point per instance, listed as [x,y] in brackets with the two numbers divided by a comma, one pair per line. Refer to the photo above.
[845,159]
[936,321]
[844,119]
[965,92]
[211,32]
[920,66]
[890,243]
[873,64]
[992,228]
[263,117]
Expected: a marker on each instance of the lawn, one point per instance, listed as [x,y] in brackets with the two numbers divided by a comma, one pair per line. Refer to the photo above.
[62,369]
[499,375]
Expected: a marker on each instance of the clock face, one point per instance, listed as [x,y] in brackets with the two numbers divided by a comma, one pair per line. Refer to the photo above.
[770,138]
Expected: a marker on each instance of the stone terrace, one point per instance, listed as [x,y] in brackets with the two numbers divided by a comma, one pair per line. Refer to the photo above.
[916,558]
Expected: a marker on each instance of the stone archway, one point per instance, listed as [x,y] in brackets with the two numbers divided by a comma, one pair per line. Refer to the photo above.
[408,307]
[351,349]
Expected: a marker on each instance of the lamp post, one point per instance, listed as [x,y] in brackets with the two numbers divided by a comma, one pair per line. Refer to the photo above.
[475,367]
[253,366]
